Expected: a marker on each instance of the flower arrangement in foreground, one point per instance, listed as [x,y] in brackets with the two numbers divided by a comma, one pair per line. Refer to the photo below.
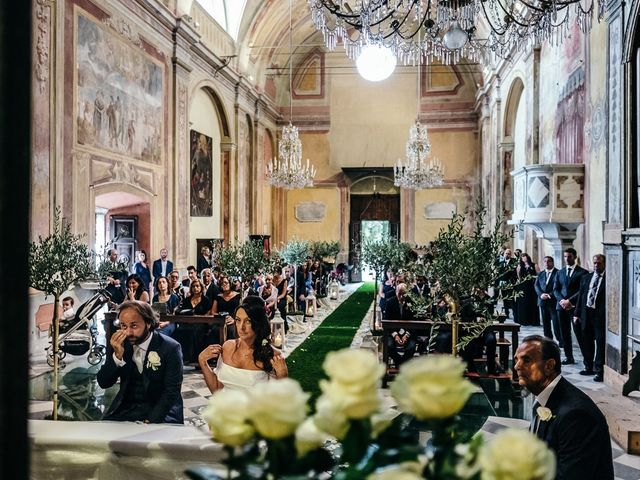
[354,434]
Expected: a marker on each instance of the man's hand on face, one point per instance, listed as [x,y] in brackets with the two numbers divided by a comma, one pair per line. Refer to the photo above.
[117,343]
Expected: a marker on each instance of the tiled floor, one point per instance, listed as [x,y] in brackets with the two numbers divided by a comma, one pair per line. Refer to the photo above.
[495,405]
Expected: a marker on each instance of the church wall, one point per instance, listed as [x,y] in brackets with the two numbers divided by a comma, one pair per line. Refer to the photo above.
[312,214]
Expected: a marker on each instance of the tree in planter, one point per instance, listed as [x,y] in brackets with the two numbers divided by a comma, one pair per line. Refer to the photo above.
[243,260]
[57,262]
[294,252]
[463,263]
[382,255]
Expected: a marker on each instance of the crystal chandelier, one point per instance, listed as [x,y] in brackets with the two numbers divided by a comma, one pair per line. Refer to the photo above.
[451,29]
[287,170]
[417,171]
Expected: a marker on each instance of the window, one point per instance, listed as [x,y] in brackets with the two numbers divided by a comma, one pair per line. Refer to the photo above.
[228,13]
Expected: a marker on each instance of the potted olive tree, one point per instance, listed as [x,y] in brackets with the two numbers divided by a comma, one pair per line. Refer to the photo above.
[243,260]
[57,262]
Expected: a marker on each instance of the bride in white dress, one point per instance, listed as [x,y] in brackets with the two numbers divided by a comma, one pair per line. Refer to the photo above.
[247,359]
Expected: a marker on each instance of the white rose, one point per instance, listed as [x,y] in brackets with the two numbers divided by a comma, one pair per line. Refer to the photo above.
[153,360]
[329,419]
[309,437]
[227,417]
[516,455]
[431,387]
[278,407]
[544,414]
[353,367]
[352,400]
[403,471]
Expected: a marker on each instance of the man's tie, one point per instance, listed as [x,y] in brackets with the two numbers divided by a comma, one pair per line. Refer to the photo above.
[548,277]
[569,271]
[138,358]
[535,420]
[591,299]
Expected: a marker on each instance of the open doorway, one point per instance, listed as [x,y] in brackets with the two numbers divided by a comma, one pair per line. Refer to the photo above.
[122,221]
[373,231]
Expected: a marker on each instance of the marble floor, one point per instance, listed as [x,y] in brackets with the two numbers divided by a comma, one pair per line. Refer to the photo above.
[496,403]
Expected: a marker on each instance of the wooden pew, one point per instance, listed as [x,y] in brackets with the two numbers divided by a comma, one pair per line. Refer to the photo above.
[505,347]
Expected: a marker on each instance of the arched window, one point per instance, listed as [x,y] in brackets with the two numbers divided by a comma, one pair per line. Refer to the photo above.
[227,13]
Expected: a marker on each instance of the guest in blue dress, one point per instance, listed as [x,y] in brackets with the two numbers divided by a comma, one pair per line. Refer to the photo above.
[141,268]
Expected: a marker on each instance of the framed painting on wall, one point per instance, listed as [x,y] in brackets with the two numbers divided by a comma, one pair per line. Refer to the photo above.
[201,173]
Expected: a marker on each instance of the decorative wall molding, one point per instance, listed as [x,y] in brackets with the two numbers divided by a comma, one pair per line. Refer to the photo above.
[121,26]
[43,16]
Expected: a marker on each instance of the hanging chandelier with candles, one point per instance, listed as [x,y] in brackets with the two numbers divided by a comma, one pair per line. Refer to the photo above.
[451,29]
[418,171]
[287,170]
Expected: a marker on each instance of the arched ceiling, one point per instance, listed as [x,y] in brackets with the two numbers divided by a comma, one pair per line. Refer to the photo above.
[264,39]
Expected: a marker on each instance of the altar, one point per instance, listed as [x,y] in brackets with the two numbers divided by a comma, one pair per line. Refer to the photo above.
[122,450]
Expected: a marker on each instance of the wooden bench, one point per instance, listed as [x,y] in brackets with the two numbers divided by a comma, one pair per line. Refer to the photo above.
[505,347]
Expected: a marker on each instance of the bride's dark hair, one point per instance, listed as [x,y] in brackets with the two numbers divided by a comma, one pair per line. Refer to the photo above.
[254,306]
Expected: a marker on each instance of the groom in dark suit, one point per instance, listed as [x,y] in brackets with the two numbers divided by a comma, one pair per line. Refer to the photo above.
[149,366]
[565,290]
[563,415]
[590,315]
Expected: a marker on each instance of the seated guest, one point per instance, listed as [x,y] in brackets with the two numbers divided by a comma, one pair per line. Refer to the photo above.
[402,343]
[577,431]
[174,284]
[136,289]
[211,289]
[269,293]
[280,284]
[116,278]
[247,360]
[170,299]
[186,282]
[225,304]
[196,303]
[474,310]
[148,366]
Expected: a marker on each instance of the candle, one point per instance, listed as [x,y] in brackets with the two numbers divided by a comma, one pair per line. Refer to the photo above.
[277,341]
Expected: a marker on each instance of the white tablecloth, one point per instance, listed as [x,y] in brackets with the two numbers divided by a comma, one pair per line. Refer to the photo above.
[118,450]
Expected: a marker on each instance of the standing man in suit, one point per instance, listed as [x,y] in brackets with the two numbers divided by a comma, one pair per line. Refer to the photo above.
[563,415]
[590,316]
[565,290]
[204,260]
[149,367]
[116,278]
[162,267]
[547,302]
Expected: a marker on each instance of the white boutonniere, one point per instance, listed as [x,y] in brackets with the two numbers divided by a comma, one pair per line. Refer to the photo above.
[153,361]
[544,414]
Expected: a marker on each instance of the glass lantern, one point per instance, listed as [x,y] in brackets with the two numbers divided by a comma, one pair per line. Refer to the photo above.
[310,305]
[277,333]
[333,289]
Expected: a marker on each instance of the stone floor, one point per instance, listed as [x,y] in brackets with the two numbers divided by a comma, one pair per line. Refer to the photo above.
[494,405]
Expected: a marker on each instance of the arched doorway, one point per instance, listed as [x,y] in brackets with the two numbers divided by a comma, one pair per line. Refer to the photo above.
[374,212]
[123,221]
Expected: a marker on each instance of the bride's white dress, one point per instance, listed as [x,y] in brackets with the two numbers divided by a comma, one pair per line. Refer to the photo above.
[234,378]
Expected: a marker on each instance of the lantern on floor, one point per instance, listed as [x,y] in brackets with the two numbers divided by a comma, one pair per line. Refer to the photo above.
[333,289]
[277,333]
[310,305]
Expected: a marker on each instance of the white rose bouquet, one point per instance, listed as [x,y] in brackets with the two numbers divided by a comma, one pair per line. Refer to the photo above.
[355,434]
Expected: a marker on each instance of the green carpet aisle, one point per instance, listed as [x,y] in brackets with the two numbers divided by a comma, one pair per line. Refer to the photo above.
[336,332]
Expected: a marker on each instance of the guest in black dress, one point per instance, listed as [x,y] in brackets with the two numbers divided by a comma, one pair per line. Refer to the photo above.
[527,301]
[226,303]
[192,337]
